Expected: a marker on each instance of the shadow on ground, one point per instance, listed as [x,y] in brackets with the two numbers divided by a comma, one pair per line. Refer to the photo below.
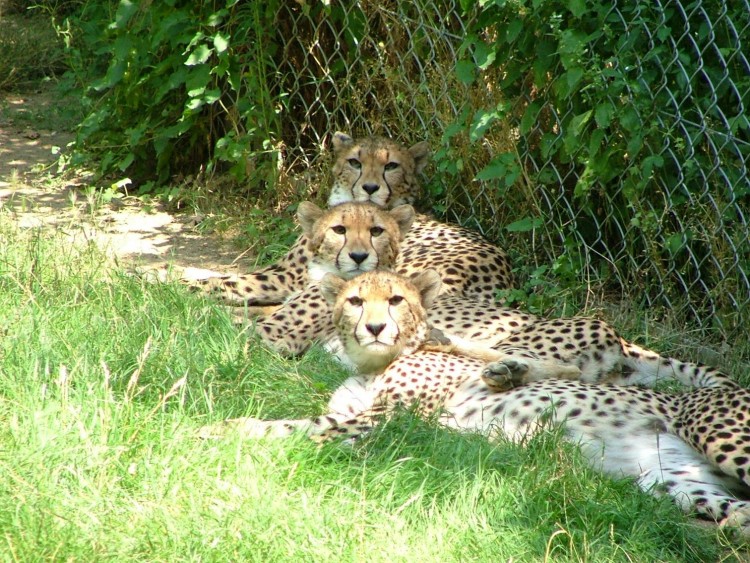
[37,197]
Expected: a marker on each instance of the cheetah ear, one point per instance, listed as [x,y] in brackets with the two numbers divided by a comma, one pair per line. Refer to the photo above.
[428,284]
[330,287]
[308,215]
[421,154]
[341,141]
[404,217]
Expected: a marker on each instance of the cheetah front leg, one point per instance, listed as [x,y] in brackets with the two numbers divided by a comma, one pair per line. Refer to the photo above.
[320,429]
[256,294]
[256,291]
[438,341]
[508,367]
[248,428]
[738,518]
[505,375]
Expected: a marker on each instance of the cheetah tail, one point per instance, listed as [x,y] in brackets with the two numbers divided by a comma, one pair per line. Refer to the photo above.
[645,367]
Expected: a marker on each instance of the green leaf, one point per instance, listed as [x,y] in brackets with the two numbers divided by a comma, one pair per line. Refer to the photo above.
[454,128]
[529,117]
[484,55]
[549,144]
[546,51]
[221,43]
[577,7]
[574,130]
[595,142]
[197,80]
[194,103]
[513,30]
[578,123]
[199,56]
[573,77]
[211,96]
[135,134]
[502,167]
[635,144]
[630,120]
[126,162]
[676,243]
[117,67]
[603,114]
[651,162]
[492,171]
[217,17]
[584,184]
[465,71]
[125,11]
[573,42]
[482,121]
[525,225]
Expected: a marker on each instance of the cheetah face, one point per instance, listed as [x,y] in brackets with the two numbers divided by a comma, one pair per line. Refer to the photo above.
[380,315]
[353,238]
[375,169]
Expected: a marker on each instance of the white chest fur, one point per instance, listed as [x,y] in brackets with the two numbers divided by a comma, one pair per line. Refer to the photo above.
[355,395]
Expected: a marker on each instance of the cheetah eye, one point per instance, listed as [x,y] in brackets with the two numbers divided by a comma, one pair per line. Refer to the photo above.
[354,163]
[376,231]
[395,300]
[355,301]
[339,229]
[391,166]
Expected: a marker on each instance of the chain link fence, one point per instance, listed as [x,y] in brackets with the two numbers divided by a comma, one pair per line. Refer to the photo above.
[388,67]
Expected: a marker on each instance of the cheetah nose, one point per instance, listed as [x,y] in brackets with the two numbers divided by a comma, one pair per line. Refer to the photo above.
[375,329]
[358,257]
[370,188]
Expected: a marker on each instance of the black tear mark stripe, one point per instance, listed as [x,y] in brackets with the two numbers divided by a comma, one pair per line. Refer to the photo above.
[356,326]
[359,177]
[375,251]
[398,326]
[387,185]
[338,254]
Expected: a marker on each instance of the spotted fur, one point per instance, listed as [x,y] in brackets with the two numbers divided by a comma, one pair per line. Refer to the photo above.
[474,327]
[694,446]
[302,319]
[381,171]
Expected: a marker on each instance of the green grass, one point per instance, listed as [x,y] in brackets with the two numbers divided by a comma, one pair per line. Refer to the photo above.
[104,382]
[31,50]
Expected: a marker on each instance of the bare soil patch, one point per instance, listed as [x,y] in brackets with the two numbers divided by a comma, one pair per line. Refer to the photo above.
[126,228]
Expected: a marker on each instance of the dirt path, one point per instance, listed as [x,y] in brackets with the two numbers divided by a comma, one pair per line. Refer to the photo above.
[125,228]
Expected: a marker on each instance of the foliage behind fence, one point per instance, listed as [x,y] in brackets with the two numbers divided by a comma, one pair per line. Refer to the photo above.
[609,142]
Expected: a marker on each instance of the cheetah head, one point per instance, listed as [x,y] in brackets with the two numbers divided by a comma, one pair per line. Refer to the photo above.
[380,315]
[352,238]
[376,169]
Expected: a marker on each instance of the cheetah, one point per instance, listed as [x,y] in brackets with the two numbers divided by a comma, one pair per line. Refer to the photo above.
[383,172]
[355,237]
[471,326]
[693,446]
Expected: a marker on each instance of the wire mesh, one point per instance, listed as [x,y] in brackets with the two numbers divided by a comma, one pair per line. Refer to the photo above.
[387,67]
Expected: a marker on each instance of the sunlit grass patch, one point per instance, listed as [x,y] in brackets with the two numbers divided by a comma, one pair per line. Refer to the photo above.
[105,380]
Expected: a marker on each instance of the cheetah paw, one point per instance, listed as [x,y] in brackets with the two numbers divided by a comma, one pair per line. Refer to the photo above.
[738,519]
[245,427]
[155,274]
[437,341]
[505,374]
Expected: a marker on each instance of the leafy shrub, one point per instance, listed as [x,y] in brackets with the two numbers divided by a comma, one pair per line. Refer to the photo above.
[601,142]
[176,88]
[631,141]
[31,50]
[255,88]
